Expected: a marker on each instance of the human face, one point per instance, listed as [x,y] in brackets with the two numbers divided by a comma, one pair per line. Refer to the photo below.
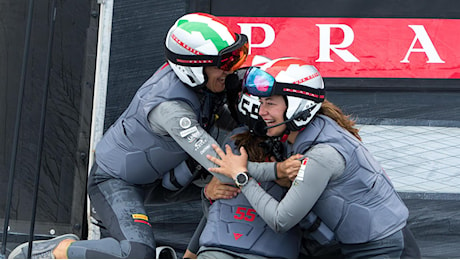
[216,78]
[272,111]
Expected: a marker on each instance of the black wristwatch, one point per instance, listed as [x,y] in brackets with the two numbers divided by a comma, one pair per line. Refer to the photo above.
[242,179]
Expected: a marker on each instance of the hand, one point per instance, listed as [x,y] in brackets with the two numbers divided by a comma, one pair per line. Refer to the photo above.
[289,167]
[230,163]
[215,190]
[189,255]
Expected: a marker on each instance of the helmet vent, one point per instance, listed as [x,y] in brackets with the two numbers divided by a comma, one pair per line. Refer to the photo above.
[191,79]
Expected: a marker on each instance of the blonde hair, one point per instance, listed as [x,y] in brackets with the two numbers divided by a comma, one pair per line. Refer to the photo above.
[334,112]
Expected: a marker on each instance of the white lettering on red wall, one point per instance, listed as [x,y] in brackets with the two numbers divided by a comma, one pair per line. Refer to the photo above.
[359,47]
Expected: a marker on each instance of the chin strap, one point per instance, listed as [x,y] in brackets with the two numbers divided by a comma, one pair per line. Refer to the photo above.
[284,137]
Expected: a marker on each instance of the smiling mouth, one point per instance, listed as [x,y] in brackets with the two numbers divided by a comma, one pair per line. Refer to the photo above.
[269,122]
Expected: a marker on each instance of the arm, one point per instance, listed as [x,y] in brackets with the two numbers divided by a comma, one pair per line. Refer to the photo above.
[266,171]
[262,171]
[194,245]
[166,118]
[324,163]
[271,171]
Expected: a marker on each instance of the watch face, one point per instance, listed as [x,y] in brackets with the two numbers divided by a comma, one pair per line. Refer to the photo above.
[241,178]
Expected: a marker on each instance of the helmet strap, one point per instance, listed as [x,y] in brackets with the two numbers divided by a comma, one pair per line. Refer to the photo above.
[205,80]
[285,136]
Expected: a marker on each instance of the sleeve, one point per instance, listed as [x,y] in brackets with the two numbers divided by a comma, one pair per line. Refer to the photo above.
[323,163]
[262,171]
[226,120]
[194,244]
[178,120]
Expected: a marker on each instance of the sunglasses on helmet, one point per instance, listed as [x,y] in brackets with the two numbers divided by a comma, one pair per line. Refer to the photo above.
[228,59]
[260,83]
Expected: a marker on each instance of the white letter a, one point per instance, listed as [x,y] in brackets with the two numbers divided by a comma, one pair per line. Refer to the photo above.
[427,46]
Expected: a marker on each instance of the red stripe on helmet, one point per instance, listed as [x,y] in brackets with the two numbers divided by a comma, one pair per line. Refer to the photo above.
[185,46]
[316,74]
[290,90]
[195,61]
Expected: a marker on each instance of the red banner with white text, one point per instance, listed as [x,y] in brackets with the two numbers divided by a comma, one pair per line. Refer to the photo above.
[359,47]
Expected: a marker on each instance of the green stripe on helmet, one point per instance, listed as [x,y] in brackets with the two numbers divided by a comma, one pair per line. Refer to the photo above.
[207,32]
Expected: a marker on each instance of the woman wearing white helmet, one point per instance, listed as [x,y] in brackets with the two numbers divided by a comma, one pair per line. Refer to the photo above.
[222,233]
[337,178]
[164,126]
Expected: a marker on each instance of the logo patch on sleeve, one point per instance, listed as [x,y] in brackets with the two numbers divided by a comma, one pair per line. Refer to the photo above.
[186,132]
[301,172]
[185,122]
[141,218]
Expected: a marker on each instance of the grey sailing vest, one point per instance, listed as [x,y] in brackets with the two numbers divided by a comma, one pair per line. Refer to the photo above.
[360,205]
[129,149]
[234,225]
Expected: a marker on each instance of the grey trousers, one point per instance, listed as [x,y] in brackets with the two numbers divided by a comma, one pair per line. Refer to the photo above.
[390,247]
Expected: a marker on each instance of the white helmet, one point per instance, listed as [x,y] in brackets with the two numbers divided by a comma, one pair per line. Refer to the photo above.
[300,84]
[197,40]
[252,60]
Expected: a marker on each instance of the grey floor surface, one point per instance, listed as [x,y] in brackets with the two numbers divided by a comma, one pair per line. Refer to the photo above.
[417,158]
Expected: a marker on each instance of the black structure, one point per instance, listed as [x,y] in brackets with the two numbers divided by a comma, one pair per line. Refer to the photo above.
[71,62]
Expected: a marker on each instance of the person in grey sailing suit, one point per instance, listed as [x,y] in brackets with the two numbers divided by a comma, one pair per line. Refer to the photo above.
[233,228]
[338,179]
[165,124]
[252,237]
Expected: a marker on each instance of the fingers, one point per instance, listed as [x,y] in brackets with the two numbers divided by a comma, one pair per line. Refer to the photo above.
[229,163]
[213,159]
[226,192]
[228,149]
[243,152]
[296,157]
[215,189]
[289,167]
[219,150]
[216,170]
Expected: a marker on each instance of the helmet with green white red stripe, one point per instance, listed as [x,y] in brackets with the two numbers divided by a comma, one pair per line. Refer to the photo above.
[198,40]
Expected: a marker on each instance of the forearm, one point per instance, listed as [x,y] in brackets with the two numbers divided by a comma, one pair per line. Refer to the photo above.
[303,194]
[194,244]
[265,171]
[280,216]
[178,120]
